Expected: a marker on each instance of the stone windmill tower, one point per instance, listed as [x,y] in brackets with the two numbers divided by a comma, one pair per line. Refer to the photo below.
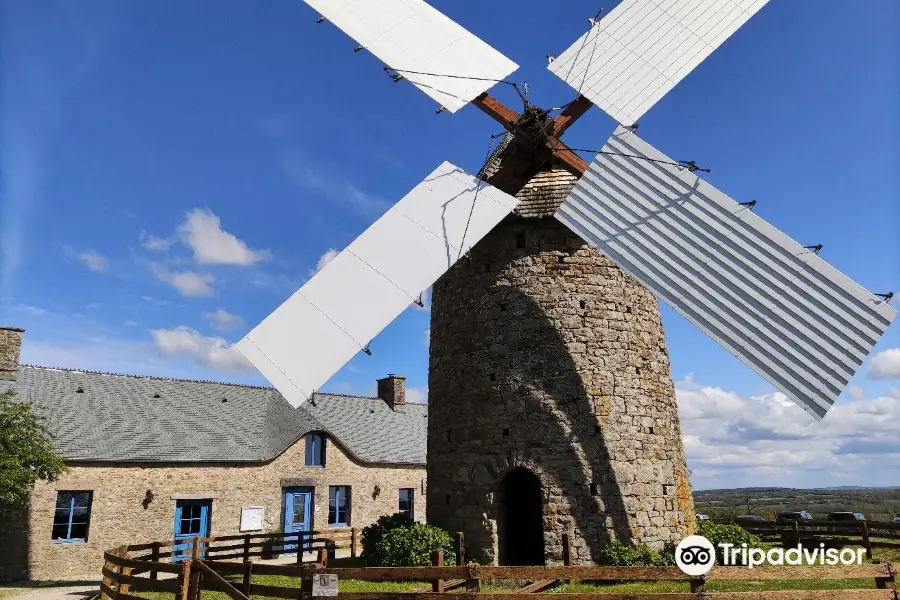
[552,403]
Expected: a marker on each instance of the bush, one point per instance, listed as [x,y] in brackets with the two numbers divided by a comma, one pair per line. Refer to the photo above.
[410,545]
[372,534]
[618,554]
[726,534]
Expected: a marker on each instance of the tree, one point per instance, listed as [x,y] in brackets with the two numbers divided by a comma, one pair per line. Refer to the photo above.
[26,453]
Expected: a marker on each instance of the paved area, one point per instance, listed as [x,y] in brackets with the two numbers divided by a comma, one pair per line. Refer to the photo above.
[49,592]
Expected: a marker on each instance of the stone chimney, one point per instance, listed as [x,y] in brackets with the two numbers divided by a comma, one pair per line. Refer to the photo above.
[392,389]
[10,346]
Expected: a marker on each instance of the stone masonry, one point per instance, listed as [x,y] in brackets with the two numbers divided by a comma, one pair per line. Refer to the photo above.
[546,355]
[118,515]
[10,346]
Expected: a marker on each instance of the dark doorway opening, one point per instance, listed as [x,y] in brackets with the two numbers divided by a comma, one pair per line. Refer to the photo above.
[521,523]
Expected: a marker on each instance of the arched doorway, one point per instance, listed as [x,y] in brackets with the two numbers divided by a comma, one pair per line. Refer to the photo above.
[521,524]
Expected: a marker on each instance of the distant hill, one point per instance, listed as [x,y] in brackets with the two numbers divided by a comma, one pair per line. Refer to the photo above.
[876,503]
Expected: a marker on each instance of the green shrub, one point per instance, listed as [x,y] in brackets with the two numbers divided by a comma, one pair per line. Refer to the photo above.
[411,546]
[726,534]
[372,534]
[618,554]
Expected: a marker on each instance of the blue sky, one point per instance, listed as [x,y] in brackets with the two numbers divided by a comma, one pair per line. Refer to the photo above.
[173,172]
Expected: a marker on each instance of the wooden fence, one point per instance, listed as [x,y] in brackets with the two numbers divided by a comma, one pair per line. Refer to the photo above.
[831,533]
[211,565]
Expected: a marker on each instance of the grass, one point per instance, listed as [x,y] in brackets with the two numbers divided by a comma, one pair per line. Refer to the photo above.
[8,592]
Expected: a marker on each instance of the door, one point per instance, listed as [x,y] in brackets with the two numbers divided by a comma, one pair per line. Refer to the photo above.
[192,520]
[297,514]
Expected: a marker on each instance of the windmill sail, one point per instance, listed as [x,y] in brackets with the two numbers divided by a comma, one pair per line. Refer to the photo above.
[792,317]
[635,55]
[412,37]
[363,289]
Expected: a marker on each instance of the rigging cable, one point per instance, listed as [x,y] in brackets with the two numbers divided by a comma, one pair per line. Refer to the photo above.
[481,181]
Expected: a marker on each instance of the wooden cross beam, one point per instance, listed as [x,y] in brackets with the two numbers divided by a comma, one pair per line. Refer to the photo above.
[552,144]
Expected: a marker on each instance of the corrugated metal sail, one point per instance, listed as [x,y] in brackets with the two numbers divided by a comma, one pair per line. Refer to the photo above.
[415,38]
[635,55]
[363,289]
[792,317]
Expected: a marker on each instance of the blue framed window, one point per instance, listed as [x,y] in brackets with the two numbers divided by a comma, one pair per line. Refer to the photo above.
[315,450]
[72,517]
[405,504]
[339,505]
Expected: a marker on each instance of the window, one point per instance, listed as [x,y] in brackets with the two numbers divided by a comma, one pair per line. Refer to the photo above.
[339,505]
[73,514]
[405,506]
[315,450]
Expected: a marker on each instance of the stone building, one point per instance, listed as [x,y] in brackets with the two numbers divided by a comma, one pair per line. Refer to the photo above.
[156,459]
[551,402]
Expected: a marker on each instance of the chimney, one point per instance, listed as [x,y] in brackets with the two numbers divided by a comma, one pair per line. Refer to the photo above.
[10,345]
[392,389]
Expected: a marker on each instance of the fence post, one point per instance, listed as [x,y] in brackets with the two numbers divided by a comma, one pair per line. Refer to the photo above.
[323,558]
[460,548]
[246,548]
[886,581]
[567,553]
[795,525]
[867,543]
[301,543]
[106,581]
[248,569]
[437,560]
[196,574]
[354,538]
[154,558]
[122,588]
[184,581]
[473,584]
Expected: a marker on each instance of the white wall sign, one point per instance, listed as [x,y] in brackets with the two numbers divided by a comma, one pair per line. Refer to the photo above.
[325,584]
[252,518]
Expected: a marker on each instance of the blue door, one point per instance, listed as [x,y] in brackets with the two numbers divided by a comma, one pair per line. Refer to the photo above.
[191,521]
[297,514]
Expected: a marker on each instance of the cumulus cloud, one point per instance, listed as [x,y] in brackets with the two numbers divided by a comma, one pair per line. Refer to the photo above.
[202,232]
[885,365]
[188,283]
[223,320]
[766,439]
[94,261]
[855,392]
[894,392]
[326,258]
[417,395]
[213,352]
[153,243]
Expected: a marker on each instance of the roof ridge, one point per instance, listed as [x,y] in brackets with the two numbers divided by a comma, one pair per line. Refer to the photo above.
[155,378]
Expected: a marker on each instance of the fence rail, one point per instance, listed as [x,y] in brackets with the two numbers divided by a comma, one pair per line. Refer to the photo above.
[858,533]
[210,565]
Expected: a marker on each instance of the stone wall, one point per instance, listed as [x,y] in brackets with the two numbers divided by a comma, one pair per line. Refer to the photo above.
[546,355]
[119,517]
[10,346]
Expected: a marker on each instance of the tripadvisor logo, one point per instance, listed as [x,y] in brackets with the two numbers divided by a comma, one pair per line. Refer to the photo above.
[695,555]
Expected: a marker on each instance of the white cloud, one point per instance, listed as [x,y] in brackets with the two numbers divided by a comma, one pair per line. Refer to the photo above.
[855,392]
[202,232]
[223,320]
[417,395]
[34,311]
[333,187]
[129,323]
[766,439]
[156,244]
[428,337]
[885,365]
[212,352]
[894,392]
[94,261]
[188,283]
[326,258]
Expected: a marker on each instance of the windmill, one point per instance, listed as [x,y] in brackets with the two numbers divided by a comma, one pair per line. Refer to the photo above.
[596,237]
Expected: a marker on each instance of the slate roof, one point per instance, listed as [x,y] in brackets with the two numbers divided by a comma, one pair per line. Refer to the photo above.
[119,418]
